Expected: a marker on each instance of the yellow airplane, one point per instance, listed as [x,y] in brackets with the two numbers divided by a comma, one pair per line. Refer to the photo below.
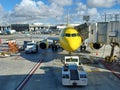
[70,40]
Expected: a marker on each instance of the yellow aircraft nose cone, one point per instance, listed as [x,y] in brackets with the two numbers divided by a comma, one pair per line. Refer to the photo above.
[73,43]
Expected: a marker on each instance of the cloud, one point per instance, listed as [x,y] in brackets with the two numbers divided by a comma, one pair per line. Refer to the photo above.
[92,11]
[101,3]
[118,1]
[81,6]
[29,10]
[62,2]
[1,11]
[1,8]
[2,15]
[85,10]
[25,8]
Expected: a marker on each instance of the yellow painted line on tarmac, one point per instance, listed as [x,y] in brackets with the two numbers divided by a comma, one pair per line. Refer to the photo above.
[95,70]
[89,70]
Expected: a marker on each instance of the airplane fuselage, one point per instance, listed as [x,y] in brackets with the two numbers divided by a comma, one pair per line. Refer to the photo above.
[70,39]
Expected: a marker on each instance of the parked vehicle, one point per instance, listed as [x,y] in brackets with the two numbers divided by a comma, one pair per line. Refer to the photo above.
[31,47]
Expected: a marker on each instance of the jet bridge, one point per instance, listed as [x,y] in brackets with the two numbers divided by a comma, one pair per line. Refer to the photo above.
[113,32]
[104,33]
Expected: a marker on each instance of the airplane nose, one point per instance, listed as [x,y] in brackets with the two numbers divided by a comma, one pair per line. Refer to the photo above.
[73,44]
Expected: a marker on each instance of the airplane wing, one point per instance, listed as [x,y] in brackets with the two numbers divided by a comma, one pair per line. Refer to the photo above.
[45,43]
[53,38]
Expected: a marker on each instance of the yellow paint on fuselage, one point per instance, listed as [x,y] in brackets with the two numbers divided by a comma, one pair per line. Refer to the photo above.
[69,39]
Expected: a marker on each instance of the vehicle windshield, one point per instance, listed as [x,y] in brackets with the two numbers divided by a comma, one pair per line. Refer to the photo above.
[71,60]
[30,44]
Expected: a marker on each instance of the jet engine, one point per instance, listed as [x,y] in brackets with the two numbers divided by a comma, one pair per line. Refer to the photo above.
[96,45]
[43,44]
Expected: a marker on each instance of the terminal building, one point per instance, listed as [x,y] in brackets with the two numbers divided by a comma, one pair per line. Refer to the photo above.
[24,27]
[20,27]
[33,27]
[3,27]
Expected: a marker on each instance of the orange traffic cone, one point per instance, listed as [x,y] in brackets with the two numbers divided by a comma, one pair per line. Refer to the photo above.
[96,53]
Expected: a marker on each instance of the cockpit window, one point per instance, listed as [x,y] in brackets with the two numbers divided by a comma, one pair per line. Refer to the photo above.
[67,35]
[71,35]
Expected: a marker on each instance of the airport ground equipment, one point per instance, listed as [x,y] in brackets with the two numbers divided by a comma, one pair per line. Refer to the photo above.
[13,47]
[9,48]
[31,47]
[73,74]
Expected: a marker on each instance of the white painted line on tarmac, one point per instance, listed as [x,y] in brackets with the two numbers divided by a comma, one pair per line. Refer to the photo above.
[27,78]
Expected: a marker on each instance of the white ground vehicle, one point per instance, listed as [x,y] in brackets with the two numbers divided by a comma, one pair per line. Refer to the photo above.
[73,73]
[31,47]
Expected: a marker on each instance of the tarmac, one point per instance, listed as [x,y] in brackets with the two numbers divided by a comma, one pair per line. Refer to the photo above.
[27,71]
[113,67]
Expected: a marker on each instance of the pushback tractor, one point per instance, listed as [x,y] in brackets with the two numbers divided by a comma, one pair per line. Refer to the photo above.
[73,74]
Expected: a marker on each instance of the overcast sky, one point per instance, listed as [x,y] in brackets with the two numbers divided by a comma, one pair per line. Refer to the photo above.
[55,11]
